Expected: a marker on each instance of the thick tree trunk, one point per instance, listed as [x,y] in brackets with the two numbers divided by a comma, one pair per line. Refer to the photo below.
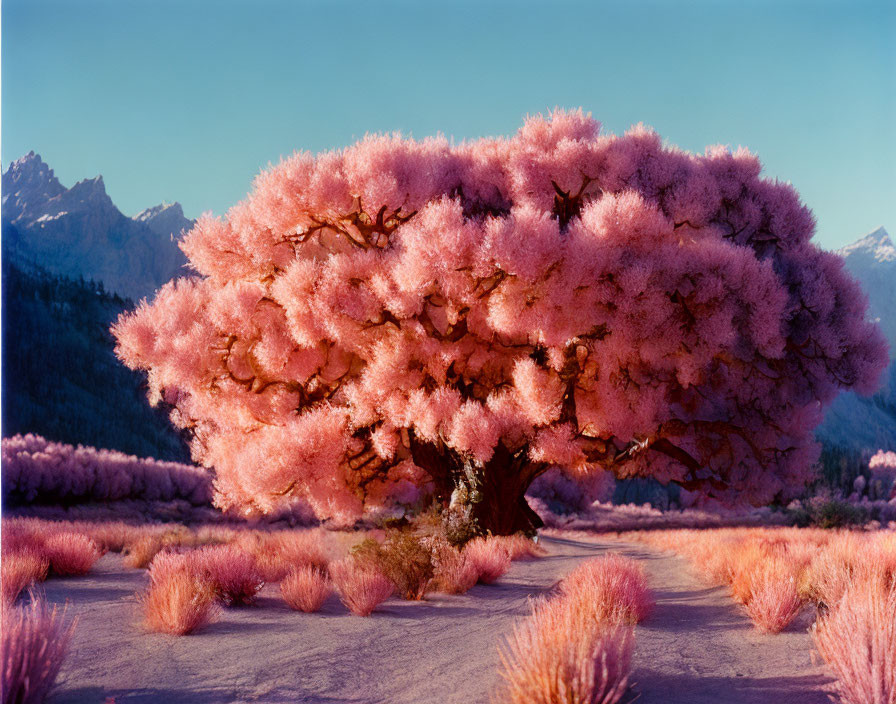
[498,496]
[494,493]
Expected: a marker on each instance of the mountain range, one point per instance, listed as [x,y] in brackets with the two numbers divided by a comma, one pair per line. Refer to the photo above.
[78,232]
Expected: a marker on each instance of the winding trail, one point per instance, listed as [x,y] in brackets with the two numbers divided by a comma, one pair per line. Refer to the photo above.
[696,647]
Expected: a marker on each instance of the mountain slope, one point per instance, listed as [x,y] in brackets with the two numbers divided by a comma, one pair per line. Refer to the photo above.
[78,232]
[60,376]
[855,422]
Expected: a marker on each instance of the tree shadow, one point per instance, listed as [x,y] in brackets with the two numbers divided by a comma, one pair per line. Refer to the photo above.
[650,685]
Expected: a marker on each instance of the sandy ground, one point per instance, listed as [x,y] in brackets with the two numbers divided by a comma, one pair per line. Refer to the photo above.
[696,647]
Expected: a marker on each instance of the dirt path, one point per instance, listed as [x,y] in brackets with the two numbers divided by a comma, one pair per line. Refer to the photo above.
[695,648]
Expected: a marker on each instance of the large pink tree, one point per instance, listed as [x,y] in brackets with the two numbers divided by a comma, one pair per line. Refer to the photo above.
[403,318]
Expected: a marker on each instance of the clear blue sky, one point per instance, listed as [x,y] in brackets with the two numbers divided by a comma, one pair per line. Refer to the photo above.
[186,100]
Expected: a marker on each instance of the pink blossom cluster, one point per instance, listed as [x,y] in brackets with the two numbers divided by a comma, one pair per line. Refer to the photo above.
[37,469]
[591,301]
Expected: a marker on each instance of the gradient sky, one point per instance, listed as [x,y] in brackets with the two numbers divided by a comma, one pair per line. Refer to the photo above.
[186,100]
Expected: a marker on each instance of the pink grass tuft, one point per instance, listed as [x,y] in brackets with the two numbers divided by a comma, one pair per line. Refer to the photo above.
[305,589]
[361,587]
[562,654]
[70,554]
[611,587]
[774,603]
[34,642]
[857,639]
[490,558]
[455,571]
[19,570]
[178,601]
[231,571]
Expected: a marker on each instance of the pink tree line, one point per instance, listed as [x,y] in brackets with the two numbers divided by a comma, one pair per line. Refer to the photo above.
[404,318]
[35,468]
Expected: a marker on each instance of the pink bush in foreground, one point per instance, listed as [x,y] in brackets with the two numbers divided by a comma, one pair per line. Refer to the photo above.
[562,654]
[361,588]
[857,639]
[20,569]
[774,603]
[33,642]
[70,554]
[232,572]
[178,601]
[305,589]
[489,557]
[609,588]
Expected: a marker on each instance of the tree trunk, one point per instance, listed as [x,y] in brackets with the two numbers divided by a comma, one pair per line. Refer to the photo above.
[498,497]
[494,493]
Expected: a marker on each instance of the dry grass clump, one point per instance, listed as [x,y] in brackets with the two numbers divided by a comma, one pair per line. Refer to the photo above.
[774,602]
[519,547]
[455,571]
[360,585]
[21,569]
[305,589]
[577,647]
[179,600]
[279,553]
[33,645]
[404,557]
[489,557]
[70,554]
[231,571]
[609,588]
[857,639]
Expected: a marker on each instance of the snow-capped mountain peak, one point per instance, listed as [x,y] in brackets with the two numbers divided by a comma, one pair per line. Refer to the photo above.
[165,219]
[79,232]
[876,245]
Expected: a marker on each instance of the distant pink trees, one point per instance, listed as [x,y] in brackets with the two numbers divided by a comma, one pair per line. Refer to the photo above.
[51,471]
[401,317]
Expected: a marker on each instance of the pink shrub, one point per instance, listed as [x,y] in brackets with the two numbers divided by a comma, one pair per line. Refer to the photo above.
[562,654]
[489,557]
[455,571]
[519,547]
[33,642]
[70,554]
[20,569]
[361,587]
[178,601]
[305,589]
[34,466]
[231,571]
[857,639]
[609,588]
[775,602]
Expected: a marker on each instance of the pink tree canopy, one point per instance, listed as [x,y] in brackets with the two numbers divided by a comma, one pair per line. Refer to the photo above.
[412,316]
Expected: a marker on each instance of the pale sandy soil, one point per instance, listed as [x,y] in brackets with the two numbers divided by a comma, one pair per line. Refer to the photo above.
[696,647]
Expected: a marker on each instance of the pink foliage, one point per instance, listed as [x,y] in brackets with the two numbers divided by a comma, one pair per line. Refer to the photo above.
[33,645]
[361,588]
[231,571]
[594,301]
[610,588]
[19,570]
[857,639]
[179,600]
[774,603]
[37,468]
[305,589]
[490,558]
[70,554]
[883,471]
[455,571]
[562,654]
